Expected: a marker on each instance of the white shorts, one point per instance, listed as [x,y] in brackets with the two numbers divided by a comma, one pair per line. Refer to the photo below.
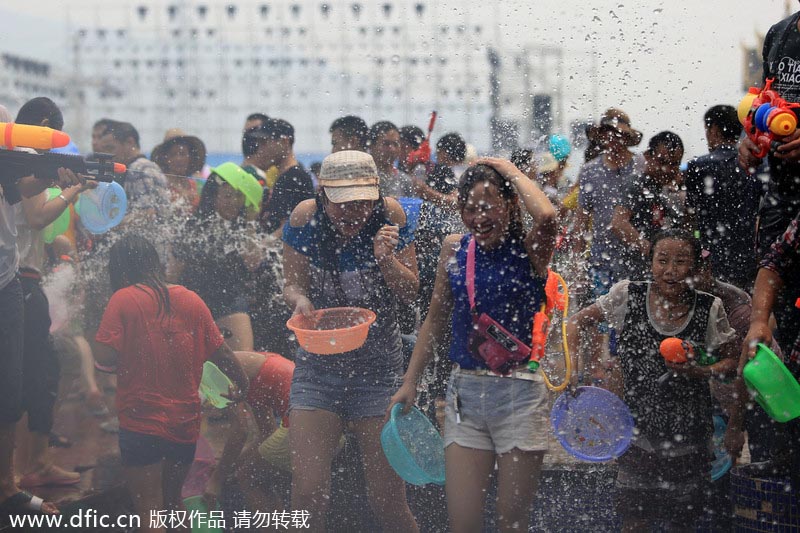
[496,413]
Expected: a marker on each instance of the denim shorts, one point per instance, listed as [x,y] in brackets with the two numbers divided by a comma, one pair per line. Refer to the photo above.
[496,413]
[350,398]
[140,449]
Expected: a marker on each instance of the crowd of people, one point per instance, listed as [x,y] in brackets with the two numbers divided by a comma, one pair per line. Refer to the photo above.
[209,263]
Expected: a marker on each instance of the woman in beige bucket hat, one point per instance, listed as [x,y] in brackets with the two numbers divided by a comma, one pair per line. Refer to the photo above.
[349,247]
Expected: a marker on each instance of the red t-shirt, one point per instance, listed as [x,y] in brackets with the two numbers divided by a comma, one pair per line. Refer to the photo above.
[160,361]
[270,389]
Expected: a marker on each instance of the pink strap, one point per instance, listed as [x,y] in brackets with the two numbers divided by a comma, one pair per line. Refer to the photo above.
[471,273]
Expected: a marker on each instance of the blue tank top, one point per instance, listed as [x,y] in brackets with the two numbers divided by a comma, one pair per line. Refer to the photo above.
[506,288]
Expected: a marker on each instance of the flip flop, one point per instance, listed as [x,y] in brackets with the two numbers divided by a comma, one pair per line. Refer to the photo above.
[37,480]
[21,502]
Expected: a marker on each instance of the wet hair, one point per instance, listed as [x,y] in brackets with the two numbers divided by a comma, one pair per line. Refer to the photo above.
[257,116]
[679,235]
[726,119]
[412,135]
[378,129]
[250,142]
[522,157]
[668,139]
[352,126]
[454,146]
[134,260]
[484,173]
[37,110]
[121,131]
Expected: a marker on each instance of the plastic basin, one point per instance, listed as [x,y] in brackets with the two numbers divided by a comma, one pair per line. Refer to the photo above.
[777,391]
[214,384]
[102,208]
[198,504]
[59,225]
[593,425]
[332,331]
[413,447]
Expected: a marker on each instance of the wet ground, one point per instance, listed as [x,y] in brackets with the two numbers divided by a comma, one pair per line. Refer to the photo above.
[572,497]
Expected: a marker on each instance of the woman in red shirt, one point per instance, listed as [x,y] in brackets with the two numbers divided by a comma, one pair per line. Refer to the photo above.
[158,336]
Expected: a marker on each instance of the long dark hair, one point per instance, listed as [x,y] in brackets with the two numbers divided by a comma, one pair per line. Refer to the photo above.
[134,260]
[484,173]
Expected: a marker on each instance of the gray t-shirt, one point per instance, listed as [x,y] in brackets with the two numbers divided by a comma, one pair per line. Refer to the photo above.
[602,189]
[396,184]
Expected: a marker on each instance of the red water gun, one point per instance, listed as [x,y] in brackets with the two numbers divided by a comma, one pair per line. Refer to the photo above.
[422,155]
[766,117]
[554,299]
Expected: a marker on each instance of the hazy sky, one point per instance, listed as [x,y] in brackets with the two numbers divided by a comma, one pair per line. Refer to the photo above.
[664,62]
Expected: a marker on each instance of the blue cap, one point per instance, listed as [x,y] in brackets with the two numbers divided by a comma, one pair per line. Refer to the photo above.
[559,147]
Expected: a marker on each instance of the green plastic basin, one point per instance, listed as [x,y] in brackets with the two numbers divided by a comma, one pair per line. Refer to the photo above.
[776,390]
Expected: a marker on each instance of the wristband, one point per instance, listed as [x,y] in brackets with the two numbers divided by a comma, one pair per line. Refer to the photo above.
[63,198]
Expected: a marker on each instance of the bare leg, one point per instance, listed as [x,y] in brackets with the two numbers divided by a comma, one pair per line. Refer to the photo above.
[517,480]
[252,471]
[172,477]
[385,489]
[41,460]
[314,437]
[144,485]
[241,328]
[468,472]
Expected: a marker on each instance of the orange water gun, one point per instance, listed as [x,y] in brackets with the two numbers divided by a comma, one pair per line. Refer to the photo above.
[37,137]
[422,155]
[556,298]
[766,117]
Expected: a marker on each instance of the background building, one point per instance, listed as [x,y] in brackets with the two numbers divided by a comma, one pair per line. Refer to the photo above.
[204,65]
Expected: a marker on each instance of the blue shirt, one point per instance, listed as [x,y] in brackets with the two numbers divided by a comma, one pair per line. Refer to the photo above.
[350,277]
[506,288]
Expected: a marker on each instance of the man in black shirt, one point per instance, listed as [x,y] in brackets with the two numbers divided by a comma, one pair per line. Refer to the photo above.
[781,56]
[652,203]
[293,184]
[723,200]
[781,203]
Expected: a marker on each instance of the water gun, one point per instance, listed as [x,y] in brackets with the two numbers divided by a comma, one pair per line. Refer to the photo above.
[679,351]
[15,165]
[555,298]
[37,137]
[422,155]
[766,117]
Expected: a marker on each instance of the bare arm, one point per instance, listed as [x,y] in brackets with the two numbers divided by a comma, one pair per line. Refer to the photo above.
[768,285]
[621,227]
[433,329]
[399,269]
[579,322]
[428,193]
[225,359]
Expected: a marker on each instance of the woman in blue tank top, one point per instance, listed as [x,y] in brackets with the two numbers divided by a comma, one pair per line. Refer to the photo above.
[495,413]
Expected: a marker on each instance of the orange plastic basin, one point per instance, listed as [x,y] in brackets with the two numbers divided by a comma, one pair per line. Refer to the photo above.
[332,331]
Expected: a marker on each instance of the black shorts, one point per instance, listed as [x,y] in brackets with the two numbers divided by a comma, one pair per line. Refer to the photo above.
[139,449]
[41,367]
[11,358]
[657,489]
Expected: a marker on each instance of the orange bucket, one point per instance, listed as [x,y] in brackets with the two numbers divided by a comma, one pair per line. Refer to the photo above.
[332,331]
